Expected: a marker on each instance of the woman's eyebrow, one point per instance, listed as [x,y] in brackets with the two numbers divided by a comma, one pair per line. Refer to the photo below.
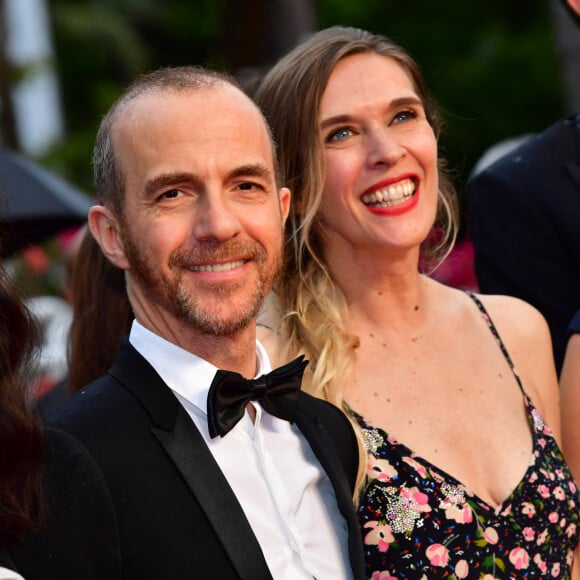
[394,104]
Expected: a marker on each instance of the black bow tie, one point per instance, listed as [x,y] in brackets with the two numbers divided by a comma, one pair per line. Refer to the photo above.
[230,392]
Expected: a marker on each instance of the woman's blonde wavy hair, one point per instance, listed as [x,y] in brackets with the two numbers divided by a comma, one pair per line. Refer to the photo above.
[313,307]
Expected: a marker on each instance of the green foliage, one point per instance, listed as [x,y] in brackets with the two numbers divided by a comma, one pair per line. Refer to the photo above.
[101,45]
[492,66]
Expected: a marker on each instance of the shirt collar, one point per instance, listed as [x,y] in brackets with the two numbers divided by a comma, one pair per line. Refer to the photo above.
[184,372]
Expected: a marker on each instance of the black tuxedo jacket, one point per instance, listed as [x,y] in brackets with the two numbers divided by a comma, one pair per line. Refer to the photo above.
[5,560]
[524,221]
[135,493]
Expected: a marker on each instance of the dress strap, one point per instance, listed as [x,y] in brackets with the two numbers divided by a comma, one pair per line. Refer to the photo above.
[494,331]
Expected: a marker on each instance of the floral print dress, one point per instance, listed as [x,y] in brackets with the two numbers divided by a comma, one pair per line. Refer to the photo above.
[418,522]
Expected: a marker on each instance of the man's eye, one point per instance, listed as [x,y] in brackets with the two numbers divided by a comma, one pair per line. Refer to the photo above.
[171,194]
[250,186]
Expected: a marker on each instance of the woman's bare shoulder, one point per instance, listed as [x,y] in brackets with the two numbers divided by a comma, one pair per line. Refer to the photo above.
[515,317]
[526,336]
[507,305]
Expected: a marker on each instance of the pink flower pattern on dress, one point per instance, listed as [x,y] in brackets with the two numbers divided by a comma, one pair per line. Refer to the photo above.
[419,523]
[519,558]
[462,569]
[382,576]
[529,534]
[379,469]
[380,536]
[438,555]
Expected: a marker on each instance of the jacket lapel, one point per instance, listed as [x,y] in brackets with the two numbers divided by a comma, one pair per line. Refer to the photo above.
[325,449]
[189,453]
[186,447]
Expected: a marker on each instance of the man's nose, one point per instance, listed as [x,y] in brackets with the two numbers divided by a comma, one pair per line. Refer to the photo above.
[216,219]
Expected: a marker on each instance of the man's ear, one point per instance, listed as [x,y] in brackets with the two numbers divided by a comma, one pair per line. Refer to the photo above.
[284,196]
[105,229]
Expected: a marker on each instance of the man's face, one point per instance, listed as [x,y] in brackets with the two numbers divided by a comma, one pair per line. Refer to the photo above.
[202,231]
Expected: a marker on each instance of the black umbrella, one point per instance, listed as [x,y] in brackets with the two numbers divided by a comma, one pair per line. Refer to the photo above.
[35,203]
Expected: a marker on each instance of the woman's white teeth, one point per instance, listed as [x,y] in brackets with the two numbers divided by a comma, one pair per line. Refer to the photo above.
[218,267]
[391,195]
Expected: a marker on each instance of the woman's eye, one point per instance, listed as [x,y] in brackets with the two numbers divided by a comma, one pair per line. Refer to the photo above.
[339,134]
[403,116]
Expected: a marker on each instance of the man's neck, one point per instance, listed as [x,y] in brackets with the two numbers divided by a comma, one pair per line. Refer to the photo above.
[232,352]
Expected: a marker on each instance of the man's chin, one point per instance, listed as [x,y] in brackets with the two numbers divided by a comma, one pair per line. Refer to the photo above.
[221,328]
[224,320]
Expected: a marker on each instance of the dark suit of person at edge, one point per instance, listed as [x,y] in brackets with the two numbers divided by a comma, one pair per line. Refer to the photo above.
[193,212]
[523,214]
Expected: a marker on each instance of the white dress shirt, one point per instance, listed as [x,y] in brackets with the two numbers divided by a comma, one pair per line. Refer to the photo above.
[6,574]
[282,488]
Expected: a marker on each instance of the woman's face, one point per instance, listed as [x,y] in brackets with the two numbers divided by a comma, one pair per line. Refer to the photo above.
[381,185]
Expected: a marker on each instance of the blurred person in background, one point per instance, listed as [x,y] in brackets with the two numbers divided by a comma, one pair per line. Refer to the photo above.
[80,336]
[523,214]
[101,316]
[21,439]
